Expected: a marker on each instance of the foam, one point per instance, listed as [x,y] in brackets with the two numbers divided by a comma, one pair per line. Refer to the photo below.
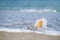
[53,33]
[37,10]
[32,10]
[14,30]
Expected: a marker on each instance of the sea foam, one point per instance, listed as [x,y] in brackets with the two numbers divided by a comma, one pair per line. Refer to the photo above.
[53,33]
[32,10]
[37,10]
[14,30]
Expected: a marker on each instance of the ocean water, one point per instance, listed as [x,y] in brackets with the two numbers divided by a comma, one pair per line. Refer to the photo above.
[17,15]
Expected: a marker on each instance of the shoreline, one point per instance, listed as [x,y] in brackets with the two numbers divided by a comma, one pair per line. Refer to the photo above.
[26,36]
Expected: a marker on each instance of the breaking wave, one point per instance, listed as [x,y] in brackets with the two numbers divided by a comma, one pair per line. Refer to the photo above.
[37,10]
[34,10]
[53,33]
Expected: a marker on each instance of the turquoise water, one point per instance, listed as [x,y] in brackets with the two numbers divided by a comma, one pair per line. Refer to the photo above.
[18,14]
[29,4]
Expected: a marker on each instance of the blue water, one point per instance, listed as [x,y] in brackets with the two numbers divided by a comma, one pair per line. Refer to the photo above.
[18,14]
[29,4]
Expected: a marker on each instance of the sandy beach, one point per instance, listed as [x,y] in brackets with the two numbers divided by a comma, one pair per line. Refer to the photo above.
[26,36]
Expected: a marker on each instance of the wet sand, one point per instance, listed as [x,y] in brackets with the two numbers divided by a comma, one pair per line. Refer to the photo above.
[26,36]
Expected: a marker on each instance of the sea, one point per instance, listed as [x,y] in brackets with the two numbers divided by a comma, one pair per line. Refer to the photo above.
[17,15]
